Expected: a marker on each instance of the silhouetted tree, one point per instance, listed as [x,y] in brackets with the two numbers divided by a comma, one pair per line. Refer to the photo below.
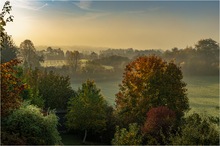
[28,52]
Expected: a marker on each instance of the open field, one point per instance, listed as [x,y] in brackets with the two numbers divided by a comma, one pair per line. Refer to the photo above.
[203,93]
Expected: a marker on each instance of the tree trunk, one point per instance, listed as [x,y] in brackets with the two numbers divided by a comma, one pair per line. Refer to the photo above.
[84,139]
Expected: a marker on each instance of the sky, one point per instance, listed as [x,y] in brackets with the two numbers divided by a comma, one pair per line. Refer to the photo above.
[114,24]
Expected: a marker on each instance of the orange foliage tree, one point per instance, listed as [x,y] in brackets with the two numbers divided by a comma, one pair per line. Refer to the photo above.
[11,87]
[150,82]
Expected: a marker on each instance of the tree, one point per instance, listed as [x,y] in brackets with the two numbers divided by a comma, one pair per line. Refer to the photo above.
[207,57]
[87,110]
[30,57]
[197,130]
[8,49]
[30,127]
[6,10]
[55,90]
[160,121]
[73,59]
[150,82]
[11,87]
[132,136]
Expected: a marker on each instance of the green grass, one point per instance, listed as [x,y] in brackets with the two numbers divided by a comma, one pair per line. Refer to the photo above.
[203,93]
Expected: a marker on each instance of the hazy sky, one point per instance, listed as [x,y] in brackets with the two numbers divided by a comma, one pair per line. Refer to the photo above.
[124,24]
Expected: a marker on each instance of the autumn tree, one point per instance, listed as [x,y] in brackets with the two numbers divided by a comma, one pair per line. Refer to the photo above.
[158,126]
[87,110]
[150,82]
[11,87]
[30,57]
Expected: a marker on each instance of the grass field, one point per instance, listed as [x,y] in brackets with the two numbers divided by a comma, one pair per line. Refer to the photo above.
[203,93]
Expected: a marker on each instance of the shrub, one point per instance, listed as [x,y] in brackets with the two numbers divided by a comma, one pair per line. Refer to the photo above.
[197,131]
[131,136]
[28,124]
[158,125]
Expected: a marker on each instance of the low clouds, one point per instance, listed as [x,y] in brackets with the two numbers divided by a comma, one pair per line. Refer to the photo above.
[29,5]
[84,5]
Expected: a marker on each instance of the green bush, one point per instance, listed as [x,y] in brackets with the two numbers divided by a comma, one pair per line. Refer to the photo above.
[197,130]
[131,136]
[28,124]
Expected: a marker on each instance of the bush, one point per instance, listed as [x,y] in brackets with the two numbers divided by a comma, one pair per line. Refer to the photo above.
[30,126]
[197,131]
[131,136]
[160,121]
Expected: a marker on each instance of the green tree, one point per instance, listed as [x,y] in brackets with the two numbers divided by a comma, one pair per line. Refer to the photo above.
[132,136]
[55,90]
[30,57]
[8,49]
[150,82]
[73,59]
[207,57]
[197,130]
[87,110]
[30,127]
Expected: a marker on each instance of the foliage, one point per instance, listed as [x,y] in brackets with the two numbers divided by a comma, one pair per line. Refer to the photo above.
[8,49]
[91,67]
[5,11]
[31,126]
[11,87]
[150,82]
[87,110]
[55,90]
[73,59]
[197,131]
[31,93]
[203,59]
[158,125]
[131,136]
[30,57]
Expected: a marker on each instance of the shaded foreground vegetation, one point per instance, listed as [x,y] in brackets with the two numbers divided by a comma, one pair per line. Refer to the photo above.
[150,106]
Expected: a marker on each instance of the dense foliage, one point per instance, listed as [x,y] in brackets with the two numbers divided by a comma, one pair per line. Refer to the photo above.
[159,124]
[8,49]
[30,126]
[203,59]
[11,87]
[197,130]
[87,110]
[132,136]
[150,82]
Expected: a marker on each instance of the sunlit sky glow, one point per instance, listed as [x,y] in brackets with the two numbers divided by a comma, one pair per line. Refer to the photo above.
[124,24]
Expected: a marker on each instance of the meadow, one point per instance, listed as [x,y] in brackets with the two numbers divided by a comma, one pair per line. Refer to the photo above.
[202,91]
